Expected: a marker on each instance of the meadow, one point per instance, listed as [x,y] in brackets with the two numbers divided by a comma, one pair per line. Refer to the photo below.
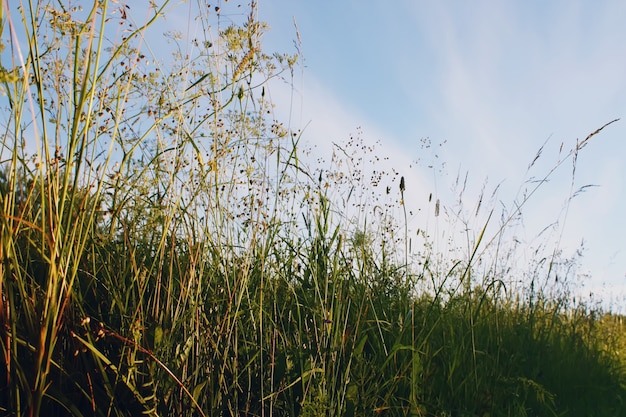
[168,247]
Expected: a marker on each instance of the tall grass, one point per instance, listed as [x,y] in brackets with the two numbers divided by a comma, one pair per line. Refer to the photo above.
[167,251]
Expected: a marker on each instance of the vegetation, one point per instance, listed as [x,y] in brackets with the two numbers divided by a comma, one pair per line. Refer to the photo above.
[167,250]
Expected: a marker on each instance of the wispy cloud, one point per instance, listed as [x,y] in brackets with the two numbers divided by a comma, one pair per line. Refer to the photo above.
[510,75]
[493,79]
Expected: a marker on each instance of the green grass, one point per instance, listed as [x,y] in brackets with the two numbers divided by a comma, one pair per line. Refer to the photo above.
[167,250]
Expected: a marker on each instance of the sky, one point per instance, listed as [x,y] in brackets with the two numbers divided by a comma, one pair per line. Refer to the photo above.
[470,88]
[494,82]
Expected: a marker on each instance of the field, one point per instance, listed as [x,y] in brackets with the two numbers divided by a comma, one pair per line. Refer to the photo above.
[168,247]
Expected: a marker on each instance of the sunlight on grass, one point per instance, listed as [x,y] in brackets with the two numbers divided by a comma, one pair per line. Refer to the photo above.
[169,248]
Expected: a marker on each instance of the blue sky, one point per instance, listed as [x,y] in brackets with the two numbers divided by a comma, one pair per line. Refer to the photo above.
[495,81]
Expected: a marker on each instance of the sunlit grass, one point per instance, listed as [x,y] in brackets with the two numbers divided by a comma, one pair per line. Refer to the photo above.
[167,250]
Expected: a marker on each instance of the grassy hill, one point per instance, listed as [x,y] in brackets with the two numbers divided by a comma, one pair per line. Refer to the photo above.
[167,249]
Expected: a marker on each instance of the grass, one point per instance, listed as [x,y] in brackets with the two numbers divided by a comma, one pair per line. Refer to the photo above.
[167,250]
